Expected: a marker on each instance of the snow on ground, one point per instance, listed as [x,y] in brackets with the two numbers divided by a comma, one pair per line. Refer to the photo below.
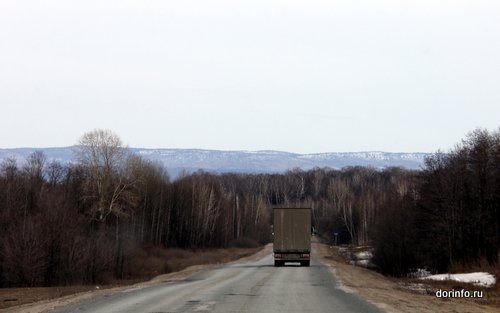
[419,273]
[482,279]
[418,288]
[361,258]
[364,255]
[364,263]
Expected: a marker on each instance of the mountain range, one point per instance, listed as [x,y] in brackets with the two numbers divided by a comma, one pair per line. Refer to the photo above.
[177,161]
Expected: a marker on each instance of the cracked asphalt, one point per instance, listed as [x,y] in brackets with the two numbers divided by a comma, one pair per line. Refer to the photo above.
[248,287]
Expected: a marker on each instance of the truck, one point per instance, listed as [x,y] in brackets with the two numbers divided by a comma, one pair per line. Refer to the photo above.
[292,236]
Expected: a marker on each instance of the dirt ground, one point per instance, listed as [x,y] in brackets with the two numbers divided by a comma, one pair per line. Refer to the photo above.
[393,295]
[31,300]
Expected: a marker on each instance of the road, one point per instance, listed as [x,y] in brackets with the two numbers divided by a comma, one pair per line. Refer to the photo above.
[251,286]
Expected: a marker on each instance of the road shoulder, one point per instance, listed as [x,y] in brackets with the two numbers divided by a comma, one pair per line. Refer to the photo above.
[51,305]
[388,294]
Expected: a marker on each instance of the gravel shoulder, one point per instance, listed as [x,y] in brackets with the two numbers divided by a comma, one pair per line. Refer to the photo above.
[390,294]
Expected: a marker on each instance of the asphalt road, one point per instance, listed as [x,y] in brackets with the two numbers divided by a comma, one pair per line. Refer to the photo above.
[254,286]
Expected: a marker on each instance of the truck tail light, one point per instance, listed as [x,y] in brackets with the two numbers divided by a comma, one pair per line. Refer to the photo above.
[277,256]
[305,256]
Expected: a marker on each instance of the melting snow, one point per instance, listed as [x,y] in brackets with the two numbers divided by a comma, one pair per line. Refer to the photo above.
[419,273]
[479,279]
[364,255]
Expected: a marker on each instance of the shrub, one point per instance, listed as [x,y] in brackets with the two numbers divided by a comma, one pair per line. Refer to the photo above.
[244,242]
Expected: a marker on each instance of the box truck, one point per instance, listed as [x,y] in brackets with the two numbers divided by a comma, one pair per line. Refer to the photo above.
[292,236]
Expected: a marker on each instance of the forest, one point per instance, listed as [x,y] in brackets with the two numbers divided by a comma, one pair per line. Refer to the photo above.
[63,224]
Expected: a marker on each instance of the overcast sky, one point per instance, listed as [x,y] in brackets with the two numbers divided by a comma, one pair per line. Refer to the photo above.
[298,76]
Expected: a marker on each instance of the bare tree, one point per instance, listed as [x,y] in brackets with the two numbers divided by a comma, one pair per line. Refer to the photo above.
[35,164]
[102,153]
[55,172]
[341,198]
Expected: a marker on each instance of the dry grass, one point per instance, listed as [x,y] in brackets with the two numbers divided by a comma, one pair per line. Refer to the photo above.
[17,296]
[153,261]
[142,265]
[395,295]
[492,294]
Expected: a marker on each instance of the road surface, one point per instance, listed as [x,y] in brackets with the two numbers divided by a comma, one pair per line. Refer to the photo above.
[248,287]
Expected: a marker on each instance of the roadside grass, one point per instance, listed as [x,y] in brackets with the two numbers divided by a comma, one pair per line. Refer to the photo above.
[17,296]
[491,295]
[152,261]
[142,264]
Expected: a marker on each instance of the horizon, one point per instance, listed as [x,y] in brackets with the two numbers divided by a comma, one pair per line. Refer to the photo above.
[224,150]
[178,161]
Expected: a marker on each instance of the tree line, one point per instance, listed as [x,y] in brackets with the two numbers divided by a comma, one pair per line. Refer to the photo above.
[82,222]
[451,214]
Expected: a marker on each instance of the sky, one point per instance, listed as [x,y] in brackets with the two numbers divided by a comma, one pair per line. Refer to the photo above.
[299,76]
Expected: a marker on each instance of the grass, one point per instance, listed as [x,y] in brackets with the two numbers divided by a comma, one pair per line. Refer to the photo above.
[142,264]
[151,261]
[491,295]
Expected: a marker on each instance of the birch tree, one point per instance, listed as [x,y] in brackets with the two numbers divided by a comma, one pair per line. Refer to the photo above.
[102,153]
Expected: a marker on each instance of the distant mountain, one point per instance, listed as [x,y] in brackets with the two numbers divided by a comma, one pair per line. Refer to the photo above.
[191,160]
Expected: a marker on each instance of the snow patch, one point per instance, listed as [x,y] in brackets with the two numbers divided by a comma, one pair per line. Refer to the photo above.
[419,273]
[482,279]
[361,258]
[363,263]
[418,288]
[364,255]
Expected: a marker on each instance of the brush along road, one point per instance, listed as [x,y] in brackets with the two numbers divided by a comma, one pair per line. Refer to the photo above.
[246,286]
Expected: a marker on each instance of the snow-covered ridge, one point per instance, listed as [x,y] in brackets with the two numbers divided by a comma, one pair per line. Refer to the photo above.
[268,161]
[369,155]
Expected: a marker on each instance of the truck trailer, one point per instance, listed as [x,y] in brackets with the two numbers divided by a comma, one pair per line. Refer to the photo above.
[292,236]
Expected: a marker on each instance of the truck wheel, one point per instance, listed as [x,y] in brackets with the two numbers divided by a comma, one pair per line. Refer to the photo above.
[278,263]
[305,263]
